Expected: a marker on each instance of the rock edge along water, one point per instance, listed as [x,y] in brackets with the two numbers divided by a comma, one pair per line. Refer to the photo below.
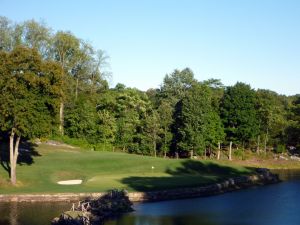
[263,176]
[96,211]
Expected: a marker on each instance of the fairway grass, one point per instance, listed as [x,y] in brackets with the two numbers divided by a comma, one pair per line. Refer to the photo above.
[101,171]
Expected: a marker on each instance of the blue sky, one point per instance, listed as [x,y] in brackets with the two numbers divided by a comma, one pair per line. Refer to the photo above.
[253,41]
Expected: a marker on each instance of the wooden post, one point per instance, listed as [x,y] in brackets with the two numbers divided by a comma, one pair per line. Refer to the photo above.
[219,151]
[230,149]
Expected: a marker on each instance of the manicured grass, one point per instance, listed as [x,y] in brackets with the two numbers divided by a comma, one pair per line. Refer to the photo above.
[101,171]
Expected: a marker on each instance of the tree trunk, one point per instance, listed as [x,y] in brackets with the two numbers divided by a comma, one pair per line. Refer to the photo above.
[76,90]
[230,150]
[205,153]
[219,151]
[192,153]
[266,140]
[11,149]
[258,143]
[177,155]
[13,153]
[154,148]
[61,118]
[165,141]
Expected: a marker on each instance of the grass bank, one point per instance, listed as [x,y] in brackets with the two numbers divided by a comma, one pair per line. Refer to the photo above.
[100,171]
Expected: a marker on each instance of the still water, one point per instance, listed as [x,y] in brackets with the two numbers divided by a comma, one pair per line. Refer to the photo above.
[277,204]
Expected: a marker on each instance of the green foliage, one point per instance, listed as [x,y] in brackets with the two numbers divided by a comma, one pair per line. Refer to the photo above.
[196,124]
[238,112]
[293,130]
[165,113]
[28,95]
[280,148]
[80,119]
[239,153]
[42,73]
[272,115]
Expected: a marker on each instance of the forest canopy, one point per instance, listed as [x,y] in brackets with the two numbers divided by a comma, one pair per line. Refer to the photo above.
[54,84]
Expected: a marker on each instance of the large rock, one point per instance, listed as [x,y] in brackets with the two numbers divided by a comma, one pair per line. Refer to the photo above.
[96,211]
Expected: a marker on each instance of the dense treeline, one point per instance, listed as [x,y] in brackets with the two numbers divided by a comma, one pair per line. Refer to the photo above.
[54,84]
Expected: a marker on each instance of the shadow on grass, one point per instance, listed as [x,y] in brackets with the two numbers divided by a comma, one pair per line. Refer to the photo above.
[26,156]
[191,173]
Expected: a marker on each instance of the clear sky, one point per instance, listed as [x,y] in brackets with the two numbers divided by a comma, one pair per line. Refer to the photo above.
[253,41]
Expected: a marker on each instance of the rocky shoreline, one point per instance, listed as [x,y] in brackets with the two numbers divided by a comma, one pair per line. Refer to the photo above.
[263,177]
[96,211]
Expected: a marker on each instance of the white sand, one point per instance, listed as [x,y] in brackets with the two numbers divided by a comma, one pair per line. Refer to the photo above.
[69,182]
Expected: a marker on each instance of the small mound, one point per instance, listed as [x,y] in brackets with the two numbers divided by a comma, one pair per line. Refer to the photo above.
[69,182]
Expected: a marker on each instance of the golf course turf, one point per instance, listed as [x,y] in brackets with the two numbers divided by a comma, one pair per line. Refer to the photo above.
[101,171]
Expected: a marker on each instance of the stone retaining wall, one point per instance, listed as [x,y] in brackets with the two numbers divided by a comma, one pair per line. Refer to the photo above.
[264,177]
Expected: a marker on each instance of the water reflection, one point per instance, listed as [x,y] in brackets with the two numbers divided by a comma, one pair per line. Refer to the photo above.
[288,174]
[30,213]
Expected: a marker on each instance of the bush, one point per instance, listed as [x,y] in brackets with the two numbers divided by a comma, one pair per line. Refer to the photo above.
[239,153]
[280,148]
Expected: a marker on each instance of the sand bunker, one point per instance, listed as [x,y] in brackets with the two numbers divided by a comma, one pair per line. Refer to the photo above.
[69,182]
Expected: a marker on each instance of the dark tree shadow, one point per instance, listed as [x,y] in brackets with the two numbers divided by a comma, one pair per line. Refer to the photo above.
[199,168]
[27,152]
[191,173]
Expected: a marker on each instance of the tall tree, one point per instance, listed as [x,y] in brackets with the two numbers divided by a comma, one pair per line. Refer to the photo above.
[26,97]
[196,123]
[6,33]
[153,130]
[176,84]
[37,35]
[272,115]
[165,112]
[238,112]
[65,49]
[293,130]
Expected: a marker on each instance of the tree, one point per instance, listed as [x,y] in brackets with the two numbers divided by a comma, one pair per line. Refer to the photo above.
[238,112]
[80,119]
[36,35]
[165,112]
[293,130]
[6,31]
[106,127]
[27,97]
[272,115]
[152,130]
[176,84]
[64,49]
[196,124]
[31,34]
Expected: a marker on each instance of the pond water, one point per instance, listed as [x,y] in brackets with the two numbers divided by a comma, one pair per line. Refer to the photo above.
[277,204]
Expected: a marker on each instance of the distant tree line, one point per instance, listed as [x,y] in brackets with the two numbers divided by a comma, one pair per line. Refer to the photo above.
[55,84]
